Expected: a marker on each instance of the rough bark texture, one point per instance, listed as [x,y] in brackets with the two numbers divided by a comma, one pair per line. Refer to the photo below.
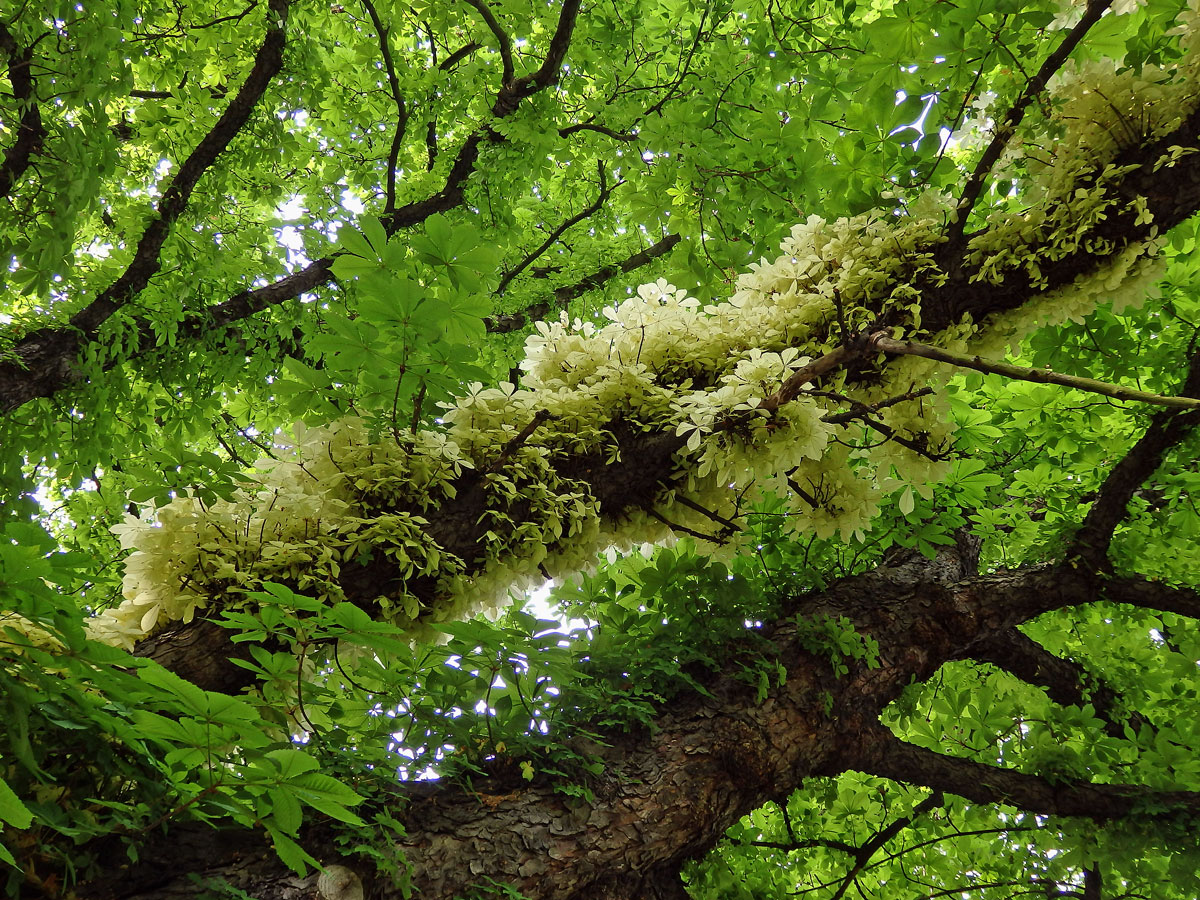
[669,795]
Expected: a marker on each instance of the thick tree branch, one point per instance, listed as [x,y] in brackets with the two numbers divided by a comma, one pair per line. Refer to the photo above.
[889,757]
[1172,194]
[1167,429]
[588,211]
[669,792]
[503,324]
[1012,119]
[1146,594]
[1066,682]
[30,130]
[247,303]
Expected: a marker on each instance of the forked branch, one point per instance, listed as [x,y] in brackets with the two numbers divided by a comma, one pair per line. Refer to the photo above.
[1065,681]
[590,210]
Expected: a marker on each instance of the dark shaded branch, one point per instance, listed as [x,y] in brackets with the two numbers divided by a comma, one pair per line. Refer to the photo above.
[146,262]
[862,856]
[1065,682]
[586,212]
[1167,429]
[623,136]
[503,41]
[889,757]
[247,303]
[548,71]
[509,322]
[46,358]
[458,55]
[30,130]
[1012,119]
[507,99]
[1146,594]
[389,67]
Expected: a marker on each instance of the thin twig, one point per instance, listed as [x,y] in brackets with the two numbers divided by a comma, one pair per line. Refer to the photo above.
[515,444]
[590,210]
[880,341]
[674,526]
[704,511]
[623,136]
[860,410]
[504,324]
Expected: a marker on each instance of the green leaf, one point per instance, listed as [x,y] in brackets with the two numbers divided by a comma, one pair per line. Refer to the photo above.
[285,810]
[290,853]
[12,810]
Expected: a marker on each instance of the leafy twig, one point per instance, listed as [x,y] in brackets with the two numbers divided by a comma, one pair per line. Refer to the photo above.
[591,209]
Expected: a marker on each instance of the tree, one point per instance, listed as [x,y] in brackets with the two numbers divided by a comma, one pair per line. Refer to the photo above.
[867,607]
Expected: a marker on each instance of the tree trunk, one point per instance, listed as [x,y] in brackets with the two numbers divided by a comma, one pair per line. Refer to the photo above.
[668,794]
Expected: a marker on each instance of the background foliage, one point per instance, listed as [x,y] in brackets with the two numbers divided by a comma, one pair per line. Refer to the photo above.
[380,231]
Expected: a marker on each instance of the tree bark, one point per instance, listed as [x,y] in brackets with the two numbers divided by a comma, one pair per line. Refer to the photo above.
[669,793]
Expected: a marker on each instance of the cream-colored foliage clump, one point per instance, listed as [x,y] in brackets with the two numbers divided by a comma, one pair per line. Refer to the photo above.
[661,362]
